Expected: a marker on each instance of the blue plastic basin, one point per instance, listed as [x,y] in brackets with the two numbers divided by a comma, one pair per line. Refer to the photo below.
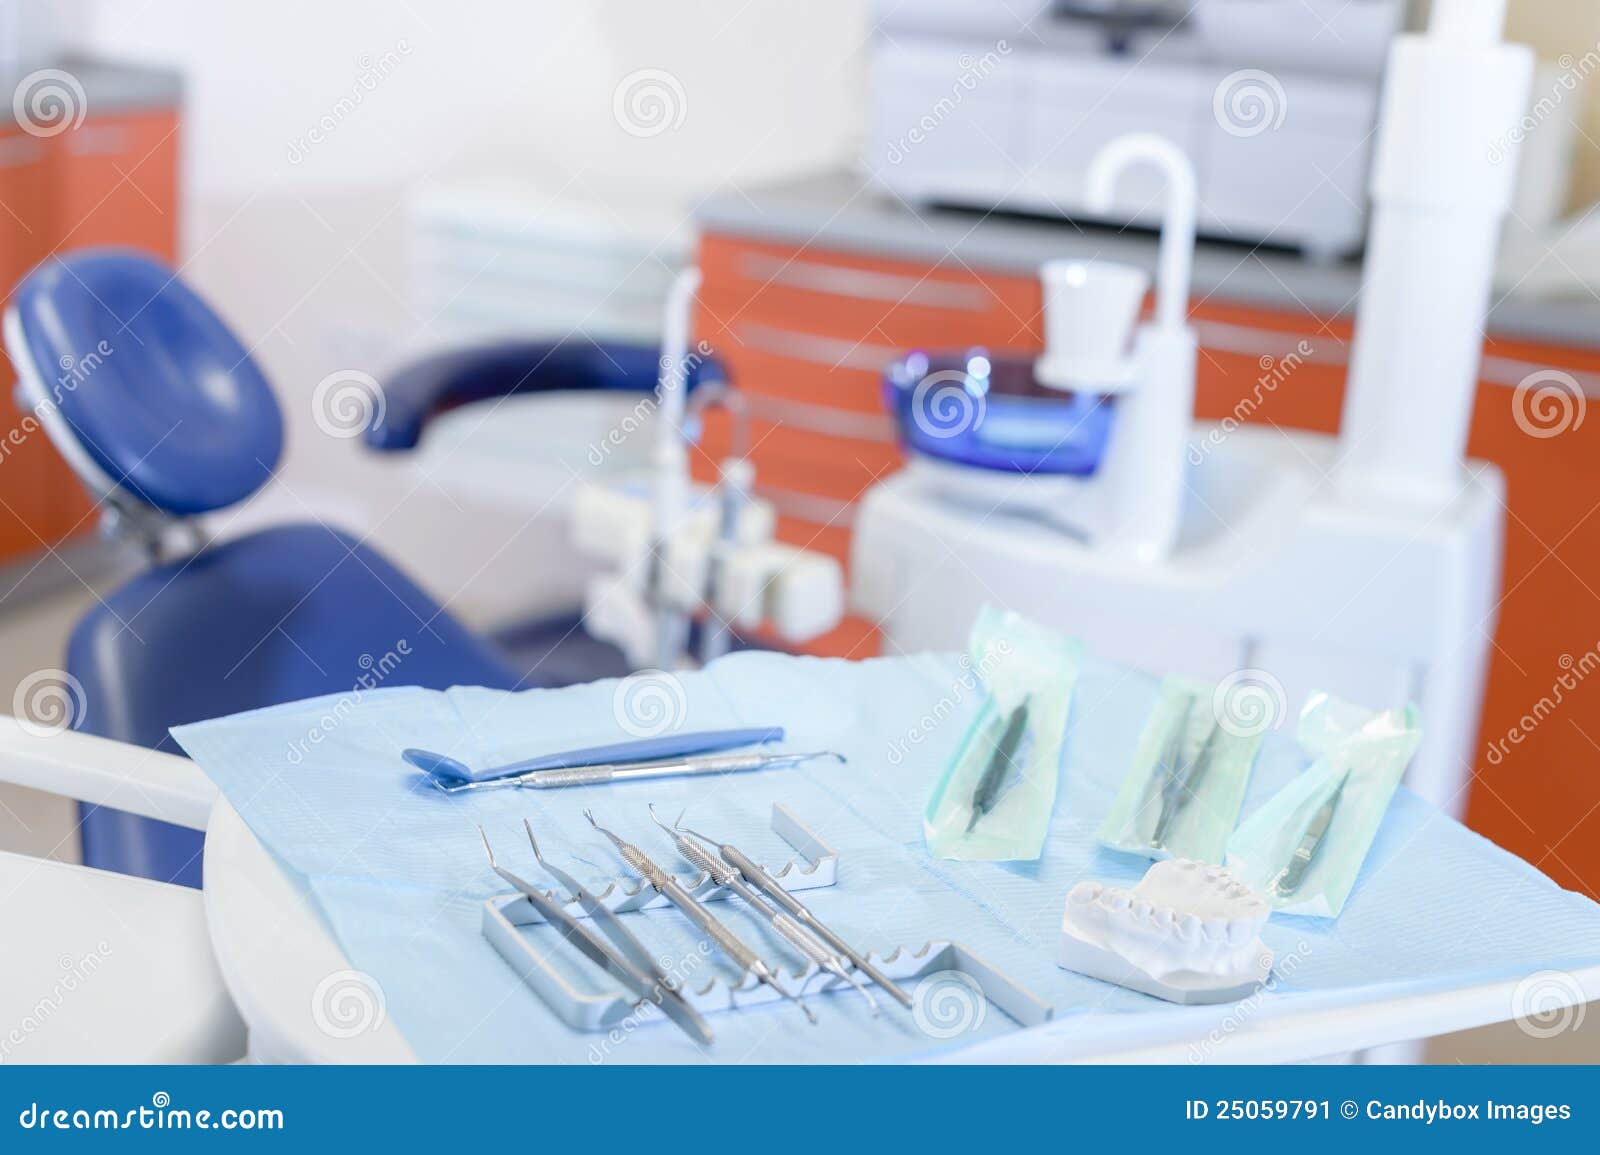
[987,411]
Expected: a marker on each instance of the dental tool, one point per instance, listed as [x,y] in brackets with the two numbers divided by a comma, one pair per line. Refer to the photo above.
[758,877]
[792,932]
[1183,778]
[641,985]
[662,989]
[1001,763]
[1293,875]
[694,910]
[630,771]
[443,767]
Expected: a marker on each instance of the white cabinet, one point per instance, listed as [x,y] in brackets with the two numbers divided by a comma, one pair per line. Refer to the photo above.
[1280,157]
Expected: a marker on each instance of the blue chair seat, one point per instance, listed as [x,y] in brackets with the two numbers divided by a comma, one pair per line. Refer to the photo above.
[291,612]
[164,414]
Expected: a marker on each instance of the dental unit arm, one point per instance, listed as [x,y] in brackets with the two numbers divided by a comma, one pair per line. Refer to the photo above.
[1442,182]
[674,550]
[424,389]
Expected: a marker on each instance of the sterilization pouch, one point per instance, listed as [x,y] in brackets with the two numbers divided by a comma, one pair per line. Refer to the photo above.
[1328,815]
[993,801]
[1181,795]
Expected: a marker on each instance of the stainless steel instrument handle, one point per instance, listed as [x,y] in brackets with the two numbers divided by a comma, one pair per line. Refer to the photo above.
[719,872]
[726,875]
[803,940]
[716,764]
[742,955]
[768,885]
[775,891]
[629,771]
[659,879]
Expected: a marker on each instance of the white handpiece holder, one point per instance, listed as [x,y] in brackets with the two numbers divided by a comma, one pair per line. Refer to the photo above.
[1142,474]
[671,547]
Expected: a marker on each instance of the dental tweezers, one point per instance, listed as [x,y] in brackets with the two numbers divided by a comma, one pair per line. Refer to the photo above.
[644,986]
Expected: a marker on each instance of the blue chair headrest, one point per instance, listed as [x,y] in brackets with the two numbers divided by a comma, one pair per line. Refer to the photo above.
[155,390]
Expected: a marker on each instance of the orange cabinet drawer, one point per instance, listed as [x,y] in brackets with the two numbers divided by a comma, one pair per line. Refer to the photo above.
[799,365]
[901,304]
[38,494]
[838,469]
[112,180]
[115,182]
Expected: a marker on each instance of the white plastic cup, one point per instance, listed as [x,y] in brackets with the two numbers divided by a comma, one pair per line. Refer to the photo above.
[1090,309]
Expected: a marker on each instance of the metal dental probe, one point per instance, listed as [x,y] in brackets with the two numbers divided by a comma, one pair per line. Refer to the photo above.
[662,989]
[1184,783]
[670,889]
[630,771]
[761,880]
[607,958]
[796,935]
[1290,878]
[1002,760]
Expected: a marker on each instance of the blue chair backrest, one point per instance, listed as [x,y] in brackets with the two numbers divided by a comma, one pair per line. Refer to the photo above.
[161,400]
[148,394]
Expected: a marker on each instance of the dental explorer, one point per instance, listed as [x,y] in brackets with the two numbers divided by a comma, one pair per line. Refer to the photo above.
[670,889]
[1183,781]
[1001,762]
[1290,878]
[662,989]
[606,957]
[757,876]
[628,771]
[796,935]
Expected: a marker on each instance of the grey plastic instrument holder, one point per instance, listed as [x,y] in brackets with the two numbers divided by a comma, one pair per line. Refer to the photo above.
[586,1010]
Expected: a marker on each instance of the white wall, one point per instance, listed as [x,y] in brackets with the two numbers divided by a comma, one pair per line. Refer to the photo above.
[481,87]
[299,237]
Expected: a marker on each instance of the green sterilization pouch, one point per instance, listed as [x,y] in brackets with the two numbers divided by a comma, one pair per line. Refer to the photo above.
[994,799]
[1304,847]
[1181,796]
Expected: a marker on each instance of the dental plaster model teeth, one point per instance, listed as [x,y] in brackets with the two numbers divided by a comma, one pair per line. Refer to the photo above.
[1187,932]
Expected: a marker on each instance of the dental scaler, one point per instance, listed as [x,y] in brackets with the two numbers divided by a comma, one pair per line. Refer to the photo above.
[670,889]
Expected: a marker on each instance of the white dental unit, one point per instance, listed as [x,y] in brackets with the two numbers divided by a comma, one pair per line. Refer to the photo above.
[672,550]
[1367,564]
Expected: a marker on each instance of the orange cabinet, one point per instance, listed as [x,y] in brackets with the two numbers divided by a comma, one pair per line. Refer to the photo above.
[31,506]
[111,180]
[806,332]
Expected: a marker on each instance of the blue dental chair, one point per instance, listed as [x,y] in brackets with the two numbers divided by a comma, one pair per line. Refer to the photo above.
[167,416]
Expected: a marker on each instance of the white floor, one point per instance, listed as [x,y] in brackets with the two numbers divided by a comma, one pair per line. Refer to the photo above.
[32,638]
